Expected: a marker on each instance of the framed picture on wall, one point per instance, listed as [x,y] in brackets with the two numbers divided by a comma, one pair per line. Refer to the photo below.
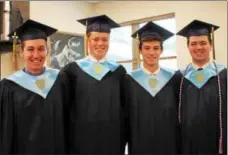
[65,48]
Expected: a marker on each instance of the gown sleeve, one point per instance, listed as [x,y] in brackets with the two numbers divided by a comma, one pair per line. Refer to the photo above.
[223,77]
[6,118]
[67,90]
[127,110]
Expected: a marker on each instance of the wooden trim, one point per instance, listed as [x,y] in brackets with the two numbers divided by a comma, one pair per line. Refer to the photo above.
[86,46]
[67,33]
[213,42]
[143,20]
[4,20]
[48,57]
[168,57]
[29,9]
[134,61]
[134,48]
[24,7]
[1,19]
[127,61]
[70,33]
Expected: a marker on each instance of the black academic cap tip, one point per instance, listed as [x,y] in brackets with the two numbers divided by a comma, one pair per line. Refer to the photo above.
[197,27]
[8,42]
[100,19]
[32,25]
[6,45]
[152,29]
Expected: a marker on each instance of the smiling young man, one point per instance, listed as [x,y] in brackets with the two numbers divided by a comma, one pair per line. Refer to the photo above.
[151,97]
[203,95]
[33,100]
[97,117]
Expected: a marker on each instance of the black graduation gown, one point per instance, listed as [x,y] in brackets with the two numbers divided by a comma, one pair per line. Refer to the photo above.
[200,116]
[153,125]
[97,112]
[30,124]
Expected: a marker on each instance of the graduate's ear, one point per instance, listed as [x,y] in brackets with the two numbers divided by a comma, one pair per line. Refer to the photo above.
[211,47]
[139,47]
[22,50]
[161,52]
[140,51]
[161,46]
[47,49]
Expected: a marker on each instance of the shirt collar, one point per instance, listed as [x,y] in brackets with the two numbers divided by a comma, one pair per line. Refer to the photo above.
[197,67]
[42,71]
[91,58]
[148,72]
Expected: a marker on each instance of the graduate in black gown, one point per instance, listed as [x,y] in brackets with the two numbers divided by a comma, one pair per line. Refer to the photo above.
[97,114]
[151,97]
[32,100]
[203,95]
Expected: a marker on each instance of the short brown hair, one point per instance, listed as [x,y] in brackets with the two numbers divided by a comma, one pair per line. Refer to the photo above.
[151,38]
[208,36]
[23,44]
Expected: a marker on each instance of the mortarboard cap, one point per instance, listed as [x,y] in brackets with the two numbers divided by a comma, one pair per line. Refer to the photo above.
[100,23]
[197,28]
[31,30]
[151,30]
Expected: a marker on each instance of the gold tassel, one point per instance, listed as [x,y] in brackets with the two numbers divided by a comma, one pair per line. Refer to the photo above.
[213,42]
[137,51]
[14,54]
[85,43]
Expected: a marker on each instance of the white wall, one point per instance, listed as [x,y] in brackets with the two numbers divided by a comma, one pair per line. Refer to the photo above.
[209,11]
[61,14]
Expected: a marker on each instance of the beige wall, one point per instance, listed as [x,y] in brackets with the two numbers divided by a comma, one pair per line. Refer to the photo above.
[210,11]
[61,14]
[7,65]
